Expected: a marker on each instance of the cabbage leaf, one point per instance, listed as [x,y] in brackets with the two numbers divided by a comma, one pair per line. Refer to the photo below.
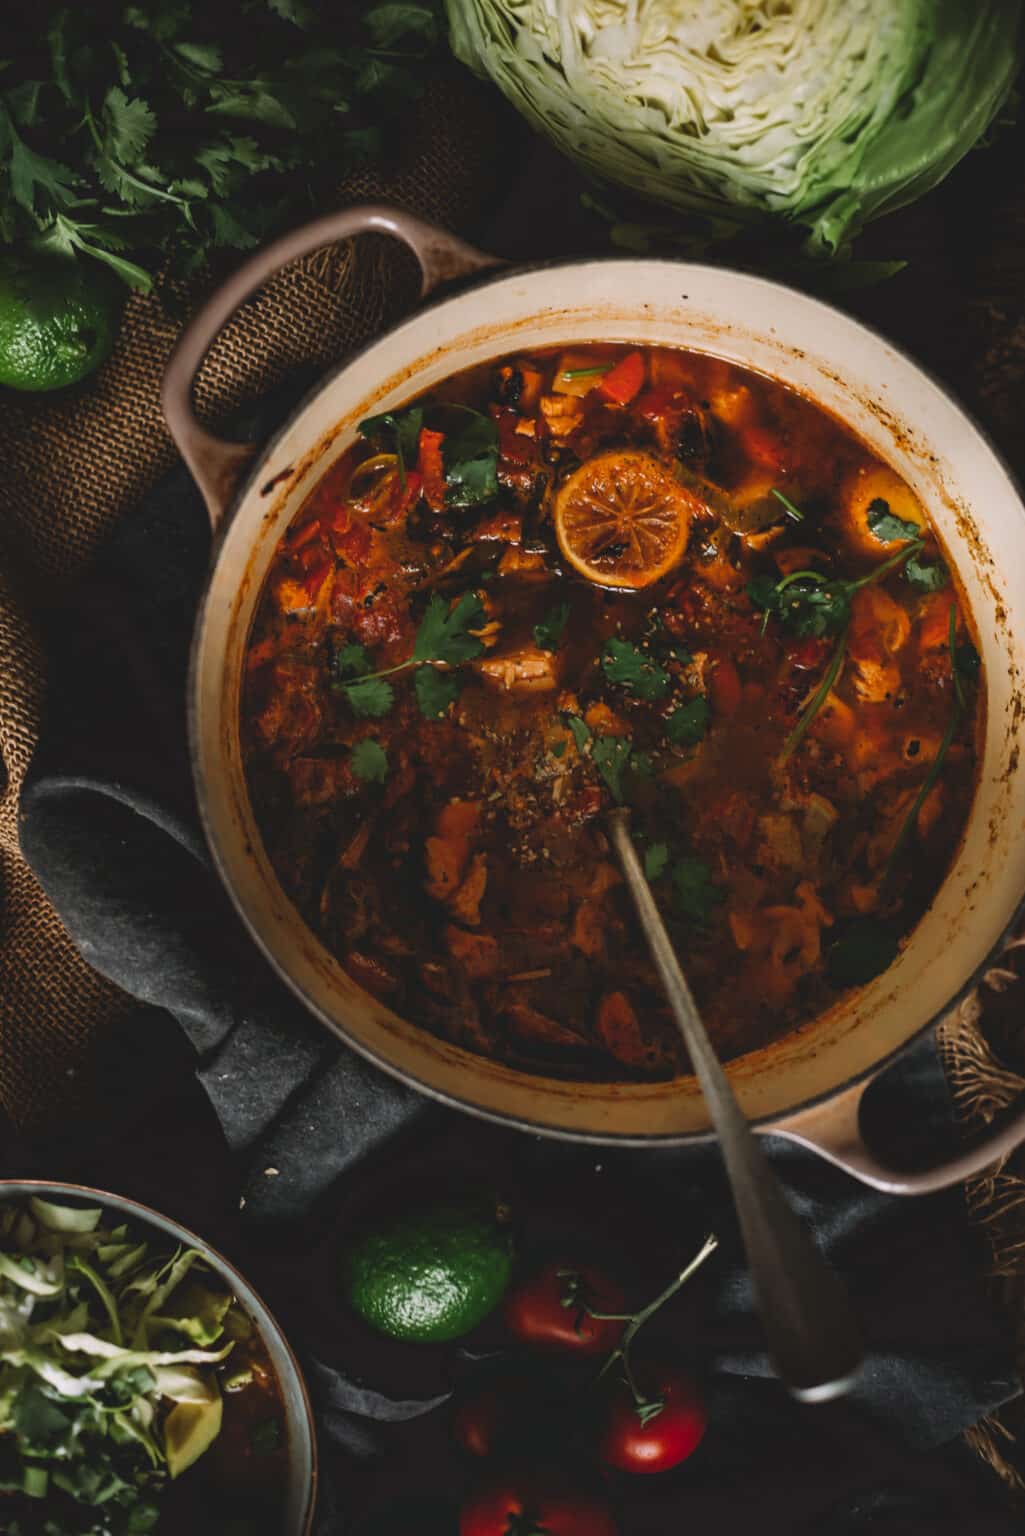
[825,113]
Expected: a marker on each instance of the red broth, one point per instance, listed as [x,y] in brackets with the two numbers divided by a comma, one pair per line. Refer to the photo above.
[458,665]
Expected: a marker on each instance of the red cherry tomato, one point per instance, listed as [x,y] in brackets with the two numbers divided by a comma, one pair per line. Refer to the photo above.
[489,1416]
[634,1441]
[535,1503]
[548,1309]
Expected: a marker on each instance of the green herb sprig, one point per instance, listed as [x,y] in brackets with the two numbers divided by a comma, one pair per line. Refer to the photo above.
[469,450]
[444,638]
[134,133]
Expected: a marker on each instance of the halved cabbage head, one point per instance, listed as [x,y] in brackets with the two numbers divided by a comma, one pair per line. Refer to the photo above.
[826,112]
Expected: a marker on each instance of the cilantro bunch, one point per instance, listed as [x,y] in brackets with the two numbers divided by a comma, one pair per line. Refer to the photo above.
[136,133]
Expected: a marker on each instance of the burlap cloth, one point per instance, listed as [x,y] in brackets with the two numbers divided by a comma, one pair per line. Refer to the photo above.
[72,465]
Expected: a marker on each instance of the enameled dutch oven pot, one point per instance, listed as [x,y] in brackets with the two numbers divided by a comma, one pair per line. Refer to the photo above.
[301,1490]
[808,1086]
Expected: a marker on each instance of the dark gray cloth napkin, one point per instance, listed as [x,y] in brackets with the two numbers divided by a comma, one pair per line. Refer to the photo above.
[109,825]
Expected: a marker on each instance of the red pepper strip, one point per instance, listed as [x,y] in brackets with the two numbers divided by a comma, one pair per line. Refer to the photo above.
[354,545]
[759,444]
[402,500]
[339,520]
[660,401]
[432,468]
[625,380]
[315,575]
[726,688]
[298,537]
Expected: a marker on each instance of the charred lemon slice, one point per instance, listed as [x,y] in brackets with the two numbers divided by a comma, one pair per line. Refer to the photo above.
[622,519]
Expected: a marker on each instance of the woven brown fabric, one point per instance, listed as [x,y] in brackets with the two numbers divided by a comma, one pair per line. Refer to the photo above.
[72,465]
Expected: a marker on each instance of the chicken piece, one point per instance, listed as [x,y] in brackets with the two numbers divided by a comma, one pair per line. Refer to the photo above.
[464,904]
[519,385]
[525,670]
[934,623]
[588,931]
[446,859]
[742,927]
[834,724]
[562,414]
[779,846]
[530,1024]
[604,878]
[879,629]
[503,526]
[603,721]
[447,853]
[291,596]
[521,562]
[620,1032]
[288,720]
[315,780]
[459,818]
[477,953]
[797,939]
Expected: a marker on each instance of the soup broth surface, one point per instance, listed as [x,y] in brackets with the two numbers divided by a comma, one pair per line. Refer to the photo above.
[607,575]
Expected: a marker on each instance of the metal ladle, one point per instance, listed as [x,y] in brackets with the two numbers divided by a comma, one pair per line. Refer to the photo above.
[813,1339]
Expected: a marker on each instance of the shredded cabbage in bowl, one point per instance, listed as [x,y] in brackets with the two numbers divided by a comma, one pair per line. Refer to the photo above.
[829,112]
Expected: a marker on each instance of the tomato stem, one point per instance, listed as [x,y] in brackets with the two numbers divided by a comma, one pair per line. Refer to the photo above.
[647,1410]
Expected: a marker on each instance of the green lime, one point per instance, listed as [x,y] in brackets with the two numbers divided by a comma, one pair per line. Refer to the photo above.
[433,1274]
[58,319]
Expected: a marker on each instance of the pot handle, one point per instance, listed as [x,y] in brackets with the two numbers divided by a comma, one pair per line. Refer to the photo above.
[217,464]
[832,1129]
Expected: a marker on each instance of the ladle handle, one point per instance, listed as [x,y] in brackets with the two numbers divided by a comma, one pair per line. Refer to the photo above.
[812,1335]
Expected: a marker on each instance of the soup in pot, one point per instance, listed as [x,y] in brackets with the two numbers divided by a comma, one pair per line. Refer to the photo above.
[607,575]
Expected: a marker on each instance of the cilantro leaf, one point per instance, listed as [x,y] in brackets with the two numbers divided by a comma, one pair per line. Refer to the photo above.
[129,122]
[655,860]
[389,23]
[548,633]
[368,699]
[862,949]
[887,526]
[610,755]
[31,174]
[444,633]
[695,893]
[580,730]
[435,691]
[687,725]
[351,661]
[558,749]
[627,666]
[470,455]
[400,431]
[926,575]
[805,602]
[254,105]
[204,56]
[368,760]
[298,12]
